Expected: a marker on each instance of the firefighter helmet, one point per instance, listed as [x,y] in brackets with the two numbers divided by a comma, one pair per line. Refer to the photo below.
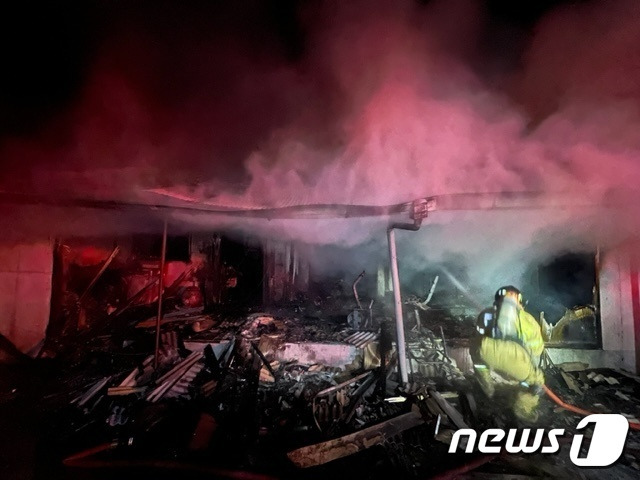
[502,292]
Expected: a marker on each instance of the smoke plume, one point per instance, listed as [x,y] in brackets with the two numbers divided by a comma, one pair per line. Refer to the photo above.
[359,103]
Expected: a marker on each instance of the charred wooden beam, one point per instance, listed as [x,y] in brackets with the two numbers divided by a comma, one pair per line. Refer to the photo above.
[330,450]
[454,415]
[264,359]
[99,274]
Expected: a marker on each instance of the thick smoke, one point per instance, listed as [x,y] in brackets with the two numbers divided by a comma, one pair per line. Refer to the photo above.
[367,103]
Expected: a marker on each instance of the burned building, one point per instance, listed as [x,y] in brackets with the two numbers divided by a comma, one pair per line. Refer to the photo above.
[311,239]
[235,350]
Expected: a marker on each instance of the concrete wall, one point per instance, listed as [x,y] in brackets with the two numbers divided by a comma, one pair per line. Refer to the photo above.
[25,292]
[616,311]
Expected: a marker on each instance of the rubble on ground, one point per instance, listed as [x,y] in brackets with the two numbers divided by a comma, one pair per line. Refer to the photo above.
[303,390]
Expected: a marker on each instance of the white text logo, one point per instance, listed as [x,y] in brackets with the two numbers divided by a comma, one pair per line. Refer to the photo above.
[607,442]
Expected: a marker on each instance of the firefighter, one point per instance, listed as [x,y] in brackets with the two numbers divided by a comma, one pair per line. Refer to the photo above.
[510,343]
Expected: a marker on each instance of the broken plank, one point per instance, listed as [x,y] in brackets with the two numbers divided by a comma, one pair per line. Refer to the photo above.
[264,359]
[151,322]
[93,391]
[573,366]
[454,415]
[346,383]
[99,274]
[121,391]
[571,382]
[330,450]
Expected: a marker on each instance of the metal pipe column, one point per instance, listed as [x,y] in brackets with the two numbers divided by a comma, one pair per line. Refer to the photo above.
[163,256]
[400,342]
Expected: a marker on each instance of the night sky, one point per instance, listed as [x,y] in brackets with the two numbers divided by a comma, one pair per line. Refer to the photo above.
[177,54]
[268,103]
[48,49]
